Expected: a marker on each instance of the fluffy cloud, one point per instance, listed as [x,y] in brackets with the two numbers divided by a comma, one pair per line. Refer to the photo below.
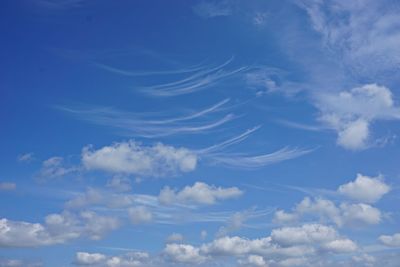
[132,259]
[199,193]
[283,246]
[84,258]
[57,229]
[24,234]
[351,112]
[365,189]
[254,260]
[133,158]
[326,210]
[183,253]
[390,240]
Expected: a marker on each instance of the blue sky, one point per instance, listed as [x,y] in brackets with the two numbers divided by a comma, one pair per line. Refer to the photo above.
[199,133]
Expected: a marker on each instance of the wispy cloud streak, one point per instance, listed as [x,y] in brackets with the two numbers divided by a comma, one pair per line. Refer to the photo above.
[258,161]
[142,125]
[198,81]
[134,73]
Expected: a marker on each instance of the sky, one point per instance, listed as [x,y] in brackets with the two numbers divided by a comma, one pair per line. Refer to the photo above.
[199,133]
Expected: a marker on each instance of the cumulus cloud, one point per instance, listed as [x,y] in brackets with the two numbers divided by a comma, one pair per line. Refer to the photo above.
[344,214]
[131,259]
[182,253]
[57,229]
[84,258]
[133,158]
[199,193]
[350,113]
[390,240]
[284,244]
[365,189]
[254,260]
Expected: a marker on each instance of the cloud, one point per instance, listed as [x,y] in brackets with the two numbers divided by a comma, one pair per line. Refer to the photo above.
[84,258]
[365,189]
[120,184]
[133,158]
[258,161]
[58,229]
[212,9]
[198,81]
[266,80]
[199,193]
[152,125]
[7,186]
[284,246]
[235,222]
[54,168]
[350,113]
[325,210]
[131,259]
[363,34]
[19,263]
[139,215]
[390,240]
[254,260]
[182,253]
[27,157]
[175,237]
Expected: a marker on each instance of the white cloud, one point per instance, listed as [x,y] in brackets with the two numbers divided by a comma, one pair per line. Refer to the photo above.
[54,168]
[351,112]
[363,34]
[183,253]
[235,222]
[254,260]
[57,229]
[140,215]
[7,186]
[24,234]
[325,210]
[289,243]
[133,158]
[199,193]
[131,259]
[84,258]
[306,234]
[258,161]
[390,240]
[365,189]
